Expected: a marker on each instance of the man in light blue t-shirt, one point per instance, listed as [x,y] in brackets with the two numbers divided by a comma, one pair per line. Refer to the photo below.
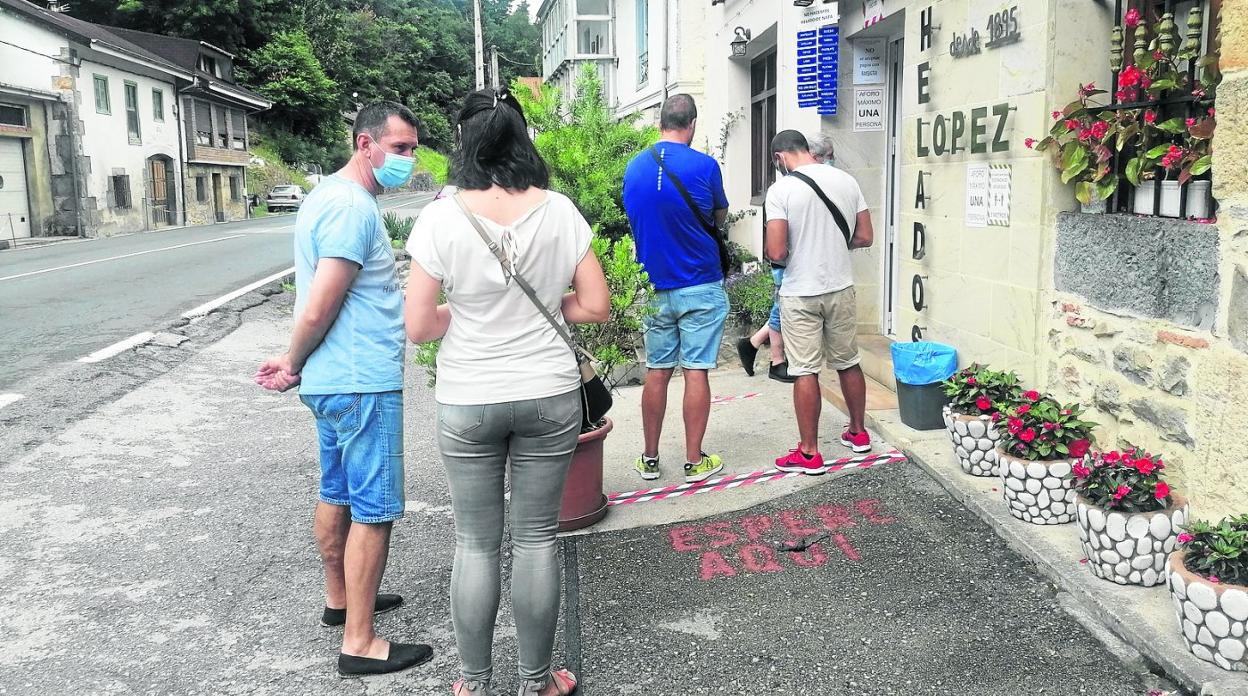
[346,355]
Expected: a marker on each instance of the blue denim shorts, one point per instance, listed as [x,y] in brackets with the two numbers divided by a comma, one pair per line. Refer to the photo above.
[361,444]
[686,327]
[777,275]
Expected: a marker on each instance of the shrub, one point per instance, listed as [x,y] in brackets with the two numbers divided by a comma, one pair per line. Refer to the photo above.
[434,162]
[1042,428]
[614,343]
[750,297]
[979,391]
[1219,553]
[1129,481]
[398,228]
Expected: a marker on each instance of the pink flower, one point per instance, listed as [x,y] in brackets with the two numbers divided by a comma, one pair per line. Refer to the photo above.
[1056,115]
[1015,426]
[1065,412]
[1030,143]
[1145,466]
[1146,81]
[971,381]
[1214,579]
[1078,448]
[1022,410]
[1099,129]
[1081,471]
[996,416]
[1211,111]
[1161,490]
[1050,426]
[983,403]
[1122,492]
[1027,435]
[1032,396]
[1190,122]
[1111,457]
[1185,538]
[1129,77]
[1072,124]
[1132,18]
[1150,116]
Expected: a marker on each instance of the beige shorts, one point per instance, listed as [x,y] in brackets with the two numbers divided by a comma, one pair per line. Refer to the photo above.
[820,330]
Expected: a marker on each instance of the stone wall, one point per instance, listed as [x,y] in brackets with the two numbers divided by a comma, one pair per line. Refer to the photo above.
[202,212]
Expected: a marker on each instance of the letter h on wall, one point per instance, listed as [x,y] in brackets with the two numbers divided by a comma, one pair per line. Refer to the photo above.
[926,29]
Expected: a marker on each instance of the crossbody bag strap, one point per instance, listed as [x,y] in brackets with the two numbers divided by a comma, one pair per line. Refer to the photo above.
[508,270]
[708,225]
[836,212]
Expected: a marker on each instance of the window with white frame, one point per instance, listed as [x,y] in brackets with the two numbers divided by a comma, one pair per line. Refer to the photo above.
[13,115]
[102,105]
[158,105]
[133,129]
[643,42]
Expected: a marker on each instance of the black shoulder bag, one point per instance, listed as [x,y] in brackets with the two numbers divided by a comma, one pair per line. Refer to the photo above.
[725,257]
[836,212]
[595,396]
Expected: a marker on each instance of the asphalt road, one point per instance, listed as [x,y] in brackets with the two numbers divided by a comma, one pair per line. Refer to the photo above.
[61,302]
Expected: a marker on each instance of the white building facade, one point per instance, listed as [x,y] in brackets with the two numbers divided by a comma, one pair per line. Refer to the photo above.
[576,33]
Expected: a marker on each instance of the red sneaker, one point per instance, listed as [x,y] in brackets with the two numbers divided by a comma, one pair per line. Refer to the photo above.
[797,462]
[858,442]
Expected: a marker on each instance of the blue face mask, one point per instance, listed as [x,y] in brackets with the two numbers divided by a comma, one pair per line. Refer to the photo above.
[395,171]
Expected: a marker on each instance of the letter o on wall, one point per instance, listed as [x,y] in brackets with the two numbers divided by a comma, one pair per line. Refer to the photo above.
[917,294]
[916,334]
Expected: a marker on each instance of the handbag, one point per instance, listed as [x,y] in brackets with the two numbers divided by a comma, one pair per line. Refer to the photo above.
[708,224]
[596,398]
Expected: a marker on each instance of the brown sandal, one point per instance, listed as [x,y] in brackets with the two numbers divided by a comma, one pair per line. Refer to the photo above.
[563,681]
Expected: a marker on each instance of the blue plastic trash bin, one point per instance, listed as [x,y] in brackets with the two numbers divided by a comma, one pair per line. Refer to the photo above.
[920,367]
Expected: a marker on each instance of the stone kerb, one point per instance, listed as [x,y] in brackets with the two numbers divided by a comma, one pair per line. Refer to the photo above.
[974,440]
[1214,616]
[1130,548]
[1038,492]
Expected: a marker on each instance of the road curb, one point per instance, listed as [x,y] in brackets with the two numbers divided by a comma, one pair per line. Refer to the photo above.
[1142,618]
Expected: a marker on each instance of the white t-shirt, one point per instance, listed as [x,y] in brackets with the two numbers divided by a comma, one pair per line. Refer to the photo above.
[499,348]
[818,261]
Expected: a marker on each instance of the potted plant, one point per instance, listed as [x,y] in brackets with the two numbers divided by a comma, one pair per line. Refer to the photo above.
[1128,518]
[1189,157]
[1079,143]
[977,397]
[1042,443]
[1208,581]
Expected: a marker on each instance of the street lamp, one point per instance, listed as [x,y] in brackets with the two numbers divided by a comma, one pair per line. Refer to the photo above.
[740,43]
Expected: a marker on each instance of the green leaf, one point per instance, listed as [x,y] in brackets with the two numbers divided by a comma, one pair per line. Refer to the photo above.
[1133,170]
[1174,125]
[1158,151]
[1106,188]
[1159,85]
[1202,165]
[1084,191]
[1073,171]
[1126,134]
[1074,154]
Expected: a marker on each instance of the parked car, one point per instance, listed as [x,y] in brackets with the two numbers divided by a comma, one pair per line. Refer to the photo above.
[285,197]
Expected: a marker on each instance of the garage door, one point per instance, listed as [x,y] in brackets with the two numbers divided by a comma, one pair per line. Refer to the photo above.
[14,203]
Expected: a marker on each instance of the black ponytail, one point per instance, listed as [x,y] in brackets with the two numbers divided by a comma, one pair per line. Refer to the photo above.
[494,146]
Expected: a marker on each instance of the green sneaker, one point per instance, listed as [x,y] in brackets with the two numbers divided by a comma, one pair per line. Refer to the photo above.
[647,467]
[696,472]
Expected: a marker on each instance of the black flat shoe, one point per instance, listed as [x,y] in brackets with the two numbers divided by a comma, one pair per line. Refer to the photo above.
[747,352]
[402,656]
[384,603]
[780,373]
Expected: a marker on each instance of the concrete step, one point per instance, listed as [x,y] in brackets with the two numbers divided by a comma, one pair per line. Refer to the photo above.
[877,359]
[879,397]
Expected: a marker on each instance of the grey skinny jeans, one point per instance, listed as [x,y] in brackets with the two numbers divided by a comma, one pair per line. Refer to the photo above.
[538,437]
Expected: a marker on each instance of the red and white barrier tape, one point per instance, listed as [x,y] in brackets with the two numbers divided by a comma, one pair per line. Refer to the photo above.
[729,399]
[646,495]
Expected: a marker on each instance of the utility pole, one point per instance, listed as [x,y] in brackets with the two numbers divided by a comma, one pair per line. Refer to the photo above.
[476,27]
[495,80]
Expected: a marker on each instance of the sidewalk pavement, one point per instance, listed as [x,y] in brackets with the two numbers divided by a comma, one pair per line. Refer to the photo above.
[163,545]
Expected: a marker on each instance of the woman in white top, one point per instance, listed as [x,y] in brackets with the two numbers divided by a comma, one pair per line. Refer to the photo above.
[508,386]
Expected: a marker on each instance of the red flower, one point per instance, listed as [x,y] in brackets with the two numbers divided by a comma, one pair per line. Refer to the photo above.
[1185,538]
[1027,435]
[1072,124]
[1015,426]
[1161,490]
[1081,471]
[1132,18]
[1150,116]
[1031,142]
[1056,115]
[1032,396]
[1085,134]
[1129,77]
[1078,448]
[1146,81]
[984,403]
[1022,410]
[996,416]
[1111,457]
[1100,129]
[1122,492]
[1211,112]
[1190,122]
[1065,412]
[1158,55]
[971,381]
[1144,465]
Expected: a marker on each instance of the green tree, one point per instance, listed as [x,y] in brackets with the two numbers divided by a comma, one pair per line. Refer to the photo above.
[305,100]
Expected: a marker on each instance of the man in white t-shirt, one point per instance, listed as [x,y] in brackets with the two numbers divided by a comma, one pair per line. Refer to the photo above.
[815,215]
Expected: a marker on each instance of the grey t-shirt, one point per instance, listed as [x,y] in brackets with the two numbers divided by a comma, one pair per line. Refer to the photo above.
[818,261]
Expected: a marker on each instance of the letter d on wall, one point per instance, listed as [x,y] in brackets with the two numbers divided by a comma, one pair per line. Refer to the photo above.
[920,242]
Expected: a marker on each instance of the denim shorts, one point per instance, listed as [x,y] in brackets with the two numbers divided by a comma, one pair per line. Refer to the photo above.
[686,327]
[777,275]
[361,444]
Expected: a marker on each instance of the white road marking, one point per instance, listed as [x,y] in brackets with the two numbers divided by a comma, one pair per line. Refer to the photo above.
[114,258]
[118,347]
[207,307]
[422,199]
[6,399]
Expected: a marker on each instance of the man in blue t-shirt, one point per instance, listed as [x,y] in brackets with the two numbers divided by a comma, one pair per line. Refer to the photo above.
[682,259]
[346,356]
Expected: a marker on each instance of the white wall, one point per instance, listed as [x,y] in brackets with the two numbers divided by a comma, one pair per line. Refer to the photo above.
[106,143]
[26,68]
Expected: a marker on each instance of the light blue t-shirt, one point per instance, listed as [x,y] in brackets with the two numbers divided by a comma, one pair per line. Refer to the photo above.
[363,351]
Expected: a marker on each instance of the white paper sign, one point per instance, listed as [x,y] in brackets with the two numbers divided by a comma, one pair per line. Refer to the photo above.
[976,195]
[869,109]
[872,12]
[869,61]
[999,195]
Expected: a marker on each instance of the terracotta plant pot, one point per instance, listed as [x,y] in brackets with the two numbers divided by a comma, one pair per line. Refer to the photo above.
[583,500]
[1038,492]
[1130,548]
[974,440]
[1214,616]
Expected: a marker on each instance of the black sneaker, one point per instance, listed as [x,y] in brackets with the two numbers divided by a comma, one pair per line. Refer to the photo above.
[780,373]
[402,656]
[384,603]
[747,352]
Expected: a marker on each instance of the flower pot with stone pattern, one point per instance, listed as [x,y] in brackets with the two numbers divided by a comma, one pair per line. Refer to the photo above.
[1039,492]
[974,440]
[1130,548]
[1214,616]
